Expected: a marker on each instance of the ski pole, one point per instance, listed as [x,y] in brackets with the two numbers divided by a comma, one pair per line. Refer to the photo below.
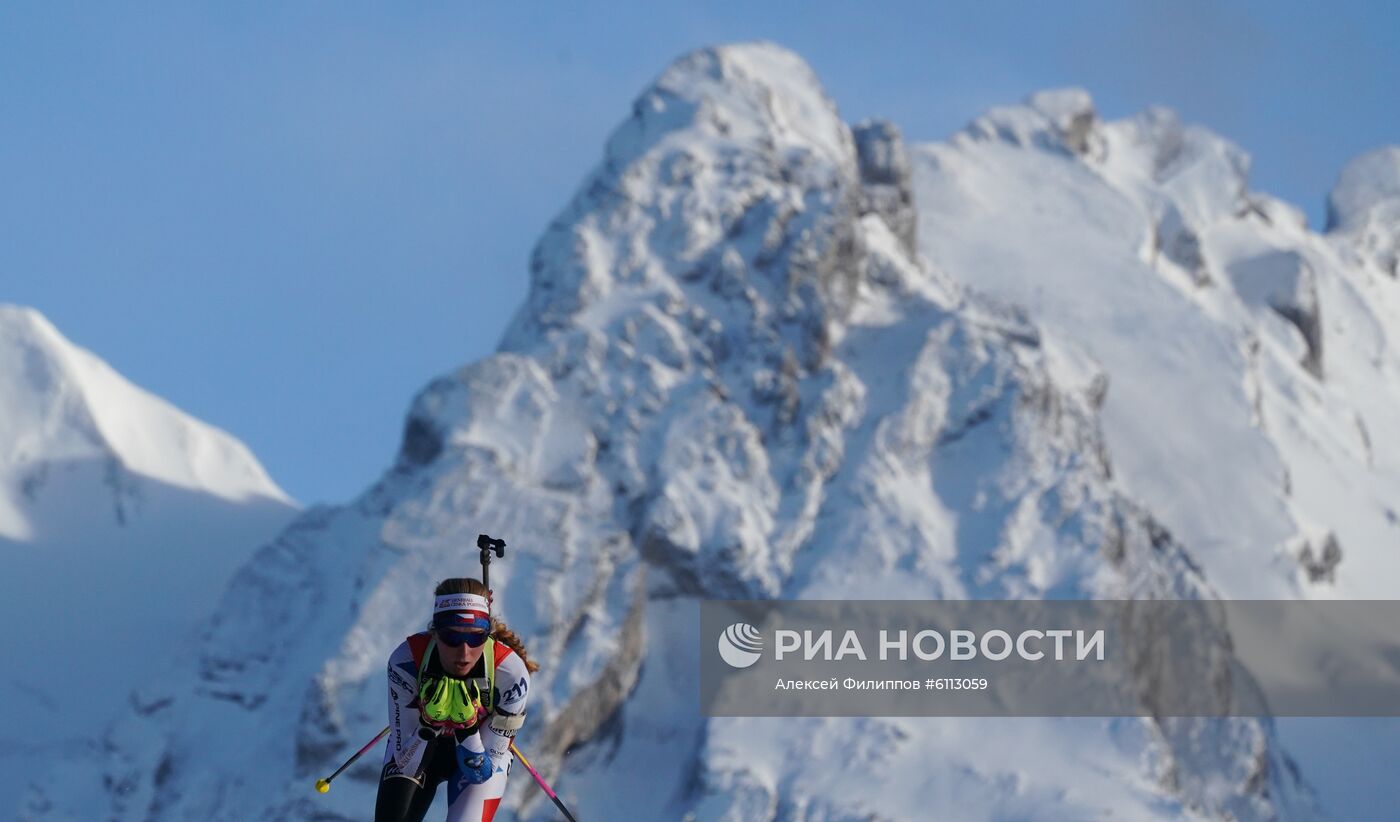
[543,785]
[324,785]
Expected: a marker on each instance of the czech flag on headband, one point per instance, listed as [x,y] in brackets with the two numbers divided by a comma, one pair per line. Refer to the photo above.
[462,611]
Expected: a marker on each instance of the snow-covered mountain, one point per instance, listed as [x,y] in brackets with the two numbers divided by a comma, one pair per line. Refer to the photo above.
[1253,365]
[121,521]
[768,354]
[63,406]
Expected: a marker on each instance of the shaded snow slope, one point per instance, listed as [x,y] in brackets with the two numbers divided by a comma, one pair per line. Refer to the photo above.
[121,520]
[750,365]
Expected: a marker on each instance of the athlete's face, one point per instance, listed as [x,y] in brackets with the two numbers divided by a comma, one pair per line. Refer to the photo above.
[458,660]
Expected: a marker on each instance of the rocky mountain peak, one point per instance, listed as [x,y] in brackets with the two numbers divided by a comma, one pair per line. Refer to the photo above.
[733,179]
[1364,208]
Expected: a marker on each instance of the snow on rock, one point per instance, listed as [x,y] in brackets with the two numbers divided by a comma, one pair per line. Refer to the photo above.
[1364,207]
[1368,183]
[1061,120]
[1071,115]
[741,371]
[885,179]
[1283,281]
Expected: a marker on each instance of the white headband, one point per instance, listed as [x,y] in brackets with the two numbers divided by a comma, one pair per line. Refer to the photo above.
[461,602]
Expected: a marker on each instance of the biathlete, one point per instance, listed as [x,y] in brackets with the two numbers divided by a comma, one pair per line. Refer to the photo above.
[457,697]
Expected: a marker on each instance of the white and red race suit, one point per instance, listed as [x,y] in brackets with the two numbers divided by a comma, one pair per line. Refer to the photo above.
[416,760]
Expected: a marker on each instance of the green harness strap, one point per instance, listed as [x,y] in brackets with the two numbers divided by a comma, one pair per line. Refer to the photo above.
[490,654]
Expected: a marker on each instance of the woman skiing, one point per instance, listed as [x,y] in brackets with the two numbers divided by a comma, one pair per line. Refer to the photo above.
[456,698]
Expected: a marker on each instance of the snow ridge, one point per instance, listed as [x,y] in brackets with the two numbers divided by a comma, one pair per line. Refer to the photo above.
[64,405]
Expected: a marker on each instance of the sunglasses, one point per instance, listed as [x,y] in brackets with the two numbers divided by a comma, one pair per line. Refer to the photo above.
[452,634]
[471,639]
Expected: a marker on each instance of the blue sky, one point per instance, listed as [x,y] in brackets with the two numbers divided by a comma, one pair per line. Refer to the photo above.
[287,218]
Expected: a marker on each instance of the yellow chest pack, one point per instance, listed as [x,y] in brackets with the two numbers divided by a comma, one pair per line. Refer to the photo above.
[452,702]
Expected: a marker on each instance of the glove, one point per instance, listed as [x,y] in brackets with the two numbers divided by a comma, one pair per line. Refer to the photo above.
[476,766]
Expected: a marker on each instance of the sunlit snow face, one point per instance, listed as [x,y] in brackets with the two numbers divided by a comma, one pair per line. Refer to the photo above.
[458,660]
